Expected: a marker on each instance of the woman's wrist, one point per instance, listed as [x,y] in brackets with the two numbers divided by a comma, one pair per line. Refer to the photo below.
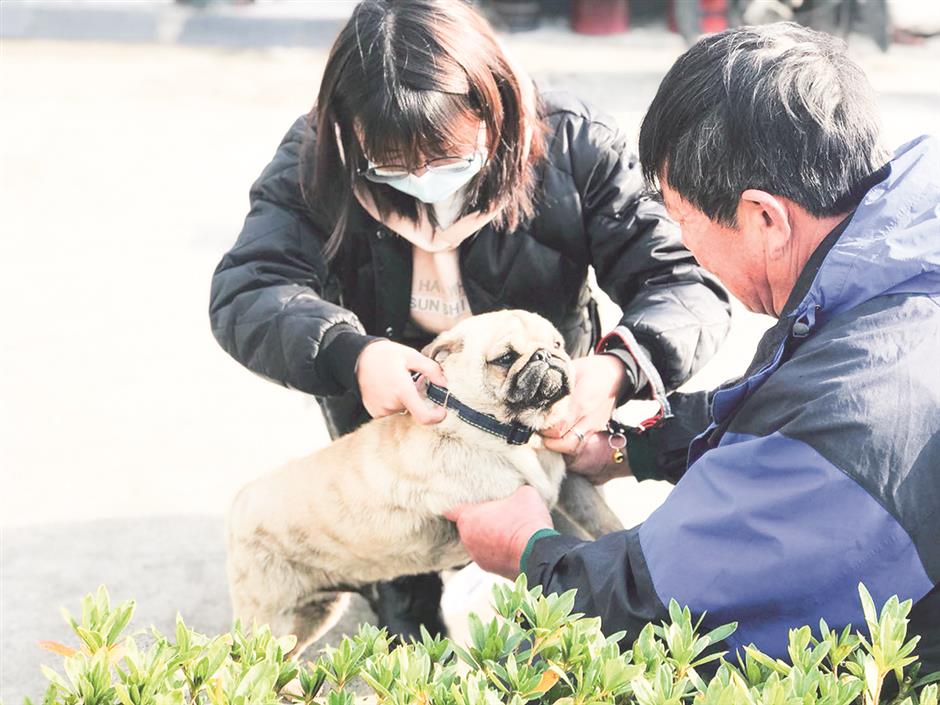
[614,371]
[339,353]
[633,379]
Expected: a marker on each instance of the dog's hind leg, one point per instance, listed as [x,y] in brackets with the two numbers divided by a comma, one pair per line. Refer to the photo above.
[309,621]
[267,588]
[306,622]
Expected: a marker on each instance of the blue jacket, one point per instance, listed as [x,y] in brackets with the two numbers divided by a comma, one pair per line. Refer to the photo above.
[818,469]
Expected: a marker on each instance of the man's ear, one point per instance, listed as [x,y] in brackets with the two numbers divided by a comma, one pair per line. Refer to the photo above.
[443,345]
[767,216]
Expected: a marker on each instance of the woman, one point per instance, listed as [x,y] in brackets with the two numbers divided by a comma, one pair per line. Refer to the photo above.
[432,181]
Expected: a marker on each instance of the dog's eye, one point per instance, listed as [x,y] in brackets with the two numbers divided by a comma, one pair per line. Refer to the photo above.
[557,345]
[506,359]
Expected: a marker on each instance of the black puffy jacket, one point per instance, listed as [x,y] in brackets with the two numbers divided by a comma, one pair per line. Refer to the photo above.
[279,308]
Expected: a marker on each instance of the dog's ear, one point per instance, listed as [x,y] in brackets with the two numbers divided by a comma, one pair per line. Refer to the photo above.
[443,345]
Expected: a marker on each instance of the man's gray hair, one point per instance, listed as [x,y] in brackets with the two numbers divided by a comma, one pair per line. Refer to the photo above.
[779,107]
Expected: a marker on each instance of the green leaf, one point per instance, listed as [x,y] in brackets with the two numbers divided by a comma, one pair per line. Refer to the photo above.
[868,608]
[928,696]
[119,621]
[872,677]
[537,651]
[721,633]
[54,677]
[765,660]
[675,612]
[123,695]
[929,678]
[696,680]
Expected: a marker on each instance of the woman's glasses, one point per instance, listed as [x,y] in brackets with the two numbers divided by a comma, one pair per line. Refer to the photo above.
[387,173]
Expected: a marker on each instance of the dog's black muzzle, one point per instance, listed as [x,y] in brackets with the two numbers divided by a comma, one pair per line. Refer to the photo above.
[540,383]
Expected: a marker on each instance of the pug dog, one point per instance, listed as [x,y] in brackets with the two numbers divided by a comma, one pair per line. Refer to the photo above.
[368,507]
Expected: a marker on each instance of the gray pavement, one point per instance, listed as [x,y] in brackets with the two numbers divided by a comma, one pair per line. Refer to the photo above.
[124,429]
[266,23]
[167,564]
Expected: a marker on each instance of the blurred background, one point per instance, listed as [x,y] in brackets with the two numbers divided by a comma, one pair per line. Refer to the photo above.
[130,132]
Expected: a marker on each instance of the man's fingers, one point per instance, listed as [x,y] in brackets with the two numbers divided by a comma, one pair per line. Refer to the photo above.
[561,445]
[524,495]
[567,444]
[420,409]
[592,459]
[454,512]
[426,366]
[528,494]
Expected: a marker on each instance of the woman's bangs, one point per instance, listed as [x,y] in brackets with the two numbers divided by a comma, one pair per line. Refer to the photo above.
[417,126]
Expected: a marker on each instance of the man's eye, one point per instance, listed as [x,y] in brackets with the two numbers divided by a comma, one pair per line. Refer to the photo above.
[506,359]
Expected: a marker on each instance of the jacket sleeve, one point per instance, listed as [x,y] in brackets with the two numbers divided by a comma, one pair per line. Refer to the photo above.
[678,313]
[267,307]
[661,452]
[762,531]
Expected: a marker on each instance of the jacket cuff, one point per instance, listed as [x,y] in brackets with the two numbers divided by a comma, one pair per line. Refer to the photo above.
[545,549]
[621,338]
[642,457]
[339,352]
[541,533]
[633,378]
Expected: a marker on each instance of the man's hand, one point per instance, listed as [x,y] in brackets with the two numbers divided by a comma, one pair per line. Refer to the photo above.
[597,380]
[495,533]
[595,460]
[383,372]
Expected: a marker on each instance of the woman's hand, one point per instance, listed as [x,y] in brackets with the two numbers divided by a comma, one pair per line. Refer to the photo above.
[597,380]
[383,372]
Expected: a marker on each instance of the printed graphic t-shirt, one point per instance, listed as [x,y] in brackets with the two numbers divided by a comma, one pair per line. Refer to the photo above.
[438,300]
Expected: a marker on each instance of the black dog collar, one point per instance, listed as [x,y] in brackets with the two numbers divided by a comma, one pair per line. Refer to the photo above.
[514,433]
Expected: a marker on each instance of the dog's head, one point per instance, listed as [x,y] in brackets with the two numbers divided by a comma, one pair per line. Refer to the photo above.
[511,364]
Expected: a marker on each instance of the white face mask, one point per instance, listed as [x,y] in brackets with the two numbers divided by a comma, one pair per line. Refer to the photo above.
[434,187]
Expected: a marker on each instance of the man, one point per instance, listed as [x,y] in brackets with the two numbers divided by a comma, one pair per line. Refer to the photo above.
[820,467]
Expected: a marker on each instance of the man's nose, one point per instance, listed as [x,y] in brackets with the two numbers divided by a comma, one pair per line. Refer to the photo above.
[420,171]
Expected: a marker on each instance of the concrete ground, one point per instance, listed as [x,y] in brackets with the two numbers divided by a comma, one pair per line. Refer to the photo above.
[124,428]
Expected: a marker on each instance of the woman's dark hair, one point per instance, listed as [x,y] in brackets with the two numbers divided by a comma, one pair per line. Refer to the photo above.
[778,107]
[408,76]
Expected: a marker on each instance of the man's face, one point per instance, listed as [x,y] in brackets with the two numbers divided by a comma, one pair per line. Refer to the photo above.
[728,253]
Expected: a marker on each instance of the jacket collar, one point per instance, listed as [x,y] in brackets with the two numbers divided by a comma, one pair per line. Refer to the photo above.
[889,244]
[805,281]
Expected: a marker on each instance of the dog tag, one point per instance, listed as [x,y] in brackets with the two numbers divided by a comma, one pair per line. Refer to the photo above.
[617,442]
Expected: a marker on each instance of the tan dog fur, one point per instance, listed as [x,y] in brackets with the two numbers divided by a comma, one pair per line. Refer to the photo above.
[368,506]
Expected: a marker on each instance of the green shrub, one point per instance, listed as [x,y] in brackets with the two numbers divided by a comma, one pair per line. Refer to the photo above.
[535,651]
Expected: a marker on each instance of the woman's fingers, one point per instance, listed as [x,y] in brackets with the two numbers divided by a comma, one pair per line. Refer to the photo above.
[563,417]
[419,363]
[418,406]
[385,381]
